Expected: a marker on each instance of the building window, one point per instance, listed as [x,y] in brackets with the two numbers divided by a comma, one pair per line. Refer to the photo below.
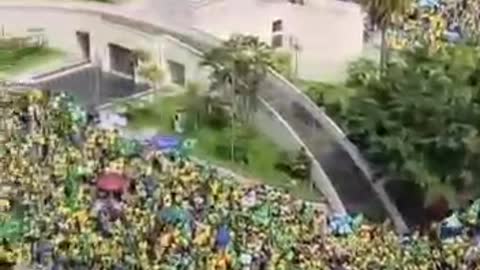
[177,71]
[83,39]
[277,26]
[121,59]
[277,41]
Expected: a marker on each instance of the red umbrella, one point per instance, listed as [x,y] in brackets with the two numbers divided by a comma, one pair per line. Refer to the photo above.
[112,182]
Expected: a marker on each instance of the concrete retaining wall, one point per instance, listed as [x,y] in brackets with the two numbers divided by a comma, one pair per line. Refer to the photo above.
[272,125]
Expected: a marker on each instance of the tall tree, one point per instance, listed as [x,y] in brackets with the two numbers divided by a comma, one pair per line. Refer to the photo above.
[240,64]
[153,73]
[148,69]
[420,120]
[382,13]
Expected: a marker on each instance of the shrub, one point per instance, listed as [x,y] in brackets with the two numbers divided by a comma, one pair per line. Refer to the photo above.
[240,152]
[282,63]
[361,72]
[217,117]
[298,166]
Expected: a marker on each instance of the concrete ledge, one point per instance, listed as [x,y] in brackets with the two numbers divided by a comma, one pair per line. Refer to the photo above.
[59,70]
[318,176]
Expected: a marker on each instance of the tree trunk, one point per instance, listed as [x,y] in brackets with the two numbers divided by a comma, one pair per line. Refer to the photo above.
[383,49]
[233,112]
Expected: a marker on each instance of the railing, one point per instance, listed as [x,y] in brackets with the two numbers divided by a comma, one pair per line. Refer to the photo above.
[15,87]
[318,176]
[60,70]
[319,113]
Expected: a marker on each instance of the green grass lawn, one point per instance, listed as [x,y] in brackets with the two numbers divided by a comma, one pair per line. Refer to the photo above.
[262,153]
[14,61]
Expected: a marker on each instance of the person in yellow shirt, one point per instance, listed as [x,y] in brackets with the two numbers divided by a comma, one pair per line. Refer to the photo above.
[222,261]
[203,236]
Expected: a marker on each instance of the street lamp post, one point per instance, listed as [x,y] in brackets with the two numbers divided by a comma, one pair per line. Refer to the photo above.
[297,49]
[233,112]
[98,80]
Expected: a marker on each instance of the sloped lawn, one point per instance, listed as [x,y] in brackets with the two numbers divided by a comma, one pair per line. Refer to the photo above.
[262,153]
[14,61]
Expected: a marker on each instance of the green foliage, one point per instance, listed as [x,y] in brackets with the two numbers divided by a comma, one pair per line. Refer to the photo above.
[361,72]
[240,152]
[381,14]
[205,110]
[240,137]
[14,60]
[282,63]
[195,107]
[217,117]
[325,93]
[420,119]
[241,63]
[251,146]
[10,56]
[297,166]
[153,73]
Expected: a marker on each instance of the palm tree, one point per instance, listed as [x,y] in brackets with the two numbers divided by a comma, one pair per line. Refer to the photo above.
[240,64]
[381,13]
[148,69]
[153,73]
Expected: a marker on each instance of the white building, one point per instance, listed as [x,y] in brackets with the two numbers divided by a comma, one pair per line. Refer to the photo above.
[323,36]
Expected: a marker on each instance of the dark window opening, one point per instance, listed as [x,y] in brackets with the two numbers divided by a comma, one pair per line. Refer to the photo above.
[83,39]
[177,71]
[277,26]
[277,41]
[121,60]
[297,2]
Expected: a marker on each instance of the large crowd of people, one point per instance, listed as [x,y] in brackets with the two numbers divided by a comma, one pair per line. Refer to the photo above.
[436,23]
[73,197]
